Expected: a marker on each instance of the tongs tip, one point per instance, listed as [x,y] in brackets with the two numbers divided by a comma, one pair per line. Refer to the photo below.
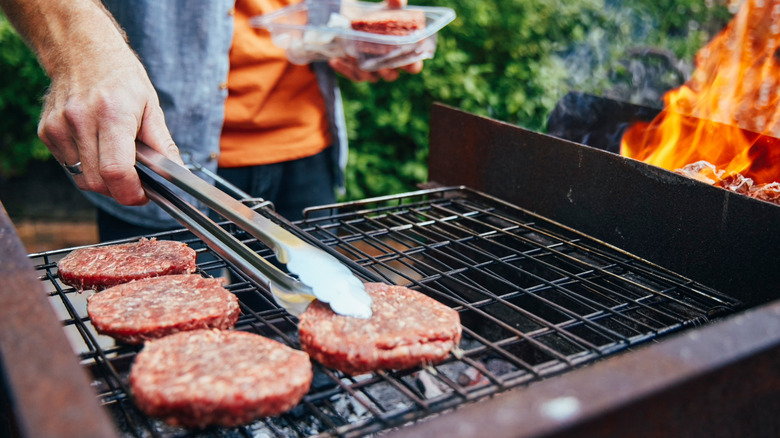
[330,282]
[356,302]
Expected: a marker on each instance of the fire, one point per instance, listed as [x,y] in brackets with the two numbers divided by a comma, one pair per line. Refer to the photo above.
[728,113]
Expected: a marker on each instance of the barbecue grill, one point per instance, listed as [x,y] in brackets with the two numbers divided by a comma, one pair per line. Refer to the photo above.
[599,296]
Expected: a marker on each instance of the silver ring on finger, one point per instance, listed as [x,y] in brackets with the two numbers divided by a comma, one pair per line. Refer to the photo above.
[73,169]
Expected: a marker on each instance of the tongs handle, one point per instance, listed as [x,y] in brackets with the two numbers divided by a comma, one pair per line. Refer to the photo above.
[247,219]
[288,292]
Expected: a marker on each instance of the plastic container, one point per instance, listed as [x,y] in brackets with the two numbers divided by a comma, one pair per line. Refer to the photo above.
[321,29]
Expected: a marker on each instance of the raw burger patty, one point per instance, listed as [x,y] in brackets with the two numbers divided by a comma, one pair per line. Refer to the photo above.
[387,22]
[100,267]
[213,377]
[154,307]
[390,22]
[406,329]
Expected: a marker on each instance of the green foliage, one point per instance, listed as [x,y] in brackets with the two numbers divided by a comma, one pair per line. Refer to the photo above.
[513,60]
[22,83]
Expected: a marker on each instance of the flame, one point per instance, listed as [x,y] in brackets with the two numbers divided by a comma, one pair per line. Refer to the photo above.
[727,114]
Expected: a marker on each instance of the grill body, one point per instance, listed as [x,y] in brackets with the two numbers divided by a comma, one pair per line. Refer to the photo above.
[700,384]
[564,334]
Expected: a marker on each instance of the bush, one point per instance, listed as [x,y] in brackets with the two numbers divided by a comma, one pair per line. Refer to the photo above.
[22,83]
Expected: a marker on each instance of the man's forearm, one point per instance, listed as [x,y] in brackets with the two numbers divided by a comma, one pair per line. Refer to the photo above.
[100,99]
[62,33]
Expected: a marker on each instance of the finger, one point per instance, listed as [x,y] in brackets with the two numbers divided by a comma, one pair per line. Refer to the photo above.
[117,168]
[388,74]
[349,69]
[343,67]
[55,134]
[116,133]
[78,116]
[413,68]
[155,134]
[66,153]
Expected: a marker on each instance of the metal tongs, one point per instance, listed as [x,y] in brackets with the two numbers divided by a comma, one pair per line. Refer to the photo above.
[319,274]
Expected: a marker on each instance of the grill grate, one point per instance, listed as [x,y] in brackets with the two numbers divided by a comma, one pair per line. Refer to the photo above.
[536,299]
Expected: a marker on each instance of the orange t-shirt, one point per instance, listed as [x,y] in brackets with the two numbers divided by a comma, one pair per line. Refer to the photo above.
[274,110]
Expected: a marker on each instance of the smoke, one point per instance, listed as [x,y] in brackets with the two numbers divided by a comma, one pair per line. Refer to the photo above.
[635,51]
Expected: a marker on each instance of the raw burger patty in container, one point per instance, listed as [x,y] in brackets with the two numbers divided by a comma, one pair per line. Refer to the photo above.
[216,377]
[100,267]
[387,22]
[154,307]
[406,329]
[390,22]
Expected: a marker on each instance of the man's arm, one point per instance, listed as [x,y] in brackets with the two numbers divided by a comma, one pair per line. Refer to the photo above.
[100,100]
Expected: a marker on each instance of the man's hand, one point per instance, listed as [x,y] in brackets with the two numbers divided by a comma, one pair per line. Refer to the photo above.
[100,100]
[348,67]
[93,115]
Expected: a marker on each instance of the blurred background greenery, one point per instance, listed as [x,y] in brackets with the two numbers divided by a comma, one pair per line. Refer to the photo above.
[511,60]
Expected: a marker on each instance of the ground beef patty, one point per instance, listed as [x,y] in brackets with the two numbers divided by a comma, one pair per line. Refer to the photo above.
[154,307]
[100,267]
[387,22]
[406,329]
[390,22]
[214,377]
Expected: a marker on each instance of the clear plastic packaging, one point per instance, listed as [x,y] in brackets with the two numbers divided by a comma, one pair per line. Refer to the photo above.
[318,30]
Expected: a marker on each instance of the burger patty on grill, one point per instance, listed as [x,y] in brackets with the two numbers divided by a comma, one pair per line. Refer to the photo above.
[100,267]
[218,377]
[154,307]
[406,329]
